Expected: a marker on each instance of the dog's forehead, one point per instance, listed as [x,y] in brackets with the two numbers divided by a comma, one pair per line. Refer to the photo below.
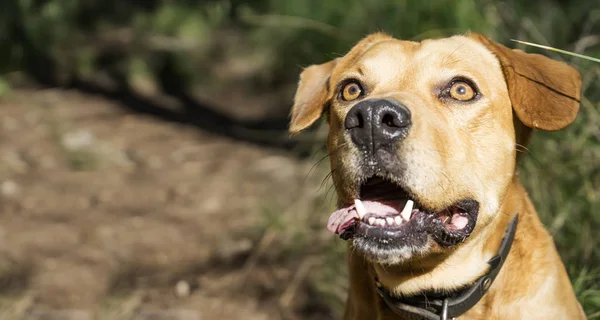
[391,59]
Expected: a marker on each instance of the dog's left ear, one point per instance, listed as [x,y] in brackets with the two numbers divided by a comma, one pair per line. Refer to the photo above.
[311,96]
[545,93]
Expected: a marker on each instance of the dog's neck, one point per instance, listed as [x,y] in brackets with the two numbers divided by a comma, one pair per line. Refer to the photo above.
[459,268]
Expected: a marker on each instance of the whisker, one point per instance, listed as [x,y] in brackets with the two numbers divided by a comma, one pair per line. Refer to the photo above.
[522,149]
[447,178]
[332,193]
[316,165]
[338,148]
[329,175]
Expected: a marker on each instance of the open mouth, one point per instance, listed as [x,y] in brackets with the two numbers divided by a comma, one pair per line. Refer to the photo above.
[384,210]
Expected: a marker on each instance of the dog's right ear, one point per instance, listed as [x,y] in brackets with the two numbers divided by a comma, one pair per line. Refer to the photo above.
[545,93]
[312,96]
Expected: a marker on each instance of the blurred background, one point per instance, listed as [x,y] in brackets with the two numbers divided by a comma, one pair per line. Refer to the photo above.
[146,171]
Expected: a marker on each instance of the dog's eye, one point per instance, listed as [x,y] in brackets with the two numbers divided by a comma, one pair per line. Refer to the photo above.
[462,91]
[351,91]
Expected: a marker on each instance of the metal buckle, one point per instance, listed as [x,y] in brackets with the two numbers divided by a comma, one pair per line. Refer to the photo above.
[444,312]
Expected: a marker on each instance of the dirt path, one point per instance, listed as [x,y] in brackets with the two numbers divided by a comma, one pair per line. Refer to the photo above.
[122,216]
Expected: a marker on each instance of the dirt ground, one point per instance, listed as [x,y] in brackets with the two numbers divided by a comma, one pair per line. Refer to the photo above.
[107,213]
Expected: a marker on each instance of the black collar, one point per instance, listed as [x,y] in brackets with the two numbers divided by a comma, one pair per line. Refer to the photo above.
[433,306]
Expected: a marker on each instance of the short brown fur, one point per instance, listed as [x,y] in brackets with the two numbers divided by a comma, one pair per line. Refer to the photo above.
[474,146]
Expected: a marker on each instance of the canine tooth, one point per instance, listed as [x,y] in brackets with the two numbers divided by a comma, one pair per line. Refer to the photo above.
[360,208]
[389,220]
[398,220]
[406,212]
[372,221]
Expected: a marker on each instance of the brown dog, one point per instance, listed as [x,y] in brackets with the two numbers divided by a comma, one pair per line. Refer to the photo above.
[422,141]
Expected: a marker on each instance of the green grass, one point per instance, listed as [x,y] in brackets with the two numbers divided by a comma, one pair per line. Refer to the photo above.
[558,50]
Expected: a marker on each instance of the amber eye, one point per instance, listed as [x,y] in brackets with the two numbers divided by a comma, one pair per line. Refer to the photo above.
[461,91]
[351,91]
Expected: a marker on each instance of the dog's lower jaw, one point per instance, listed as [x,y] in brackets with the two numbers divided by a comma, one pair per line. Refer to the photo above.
[389,257]
[439,271]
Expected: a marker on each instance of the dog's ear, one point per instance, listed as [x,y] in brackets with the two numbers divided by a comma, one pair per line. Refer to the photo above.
[313,92]
[545,93]
[311,96]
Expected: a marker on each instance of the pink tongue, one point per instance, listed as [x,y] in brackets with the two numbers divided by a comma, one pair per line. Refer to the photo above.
[342,219]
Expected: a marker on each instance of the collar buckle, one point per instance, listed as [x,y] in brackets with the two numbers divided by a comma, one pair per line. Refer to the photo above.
[444,312]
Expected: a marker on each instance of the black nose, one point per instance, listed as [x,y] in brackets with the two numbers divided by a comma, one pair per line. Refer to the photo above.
[375,124]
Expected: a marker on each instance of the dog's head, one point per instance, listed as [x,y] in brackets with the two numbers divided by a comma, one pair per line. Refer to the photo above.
[423,135]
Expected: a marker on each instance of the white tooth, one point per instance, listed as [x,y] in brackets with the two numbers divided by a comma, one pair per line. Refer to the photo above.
[389,220]
[360,208]
[398,220]
[381,222]
[406,212]
[372,221]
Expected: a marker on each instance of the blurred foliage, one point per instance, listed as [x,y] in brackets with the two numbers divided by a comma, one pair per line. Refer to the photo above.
[179,44]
